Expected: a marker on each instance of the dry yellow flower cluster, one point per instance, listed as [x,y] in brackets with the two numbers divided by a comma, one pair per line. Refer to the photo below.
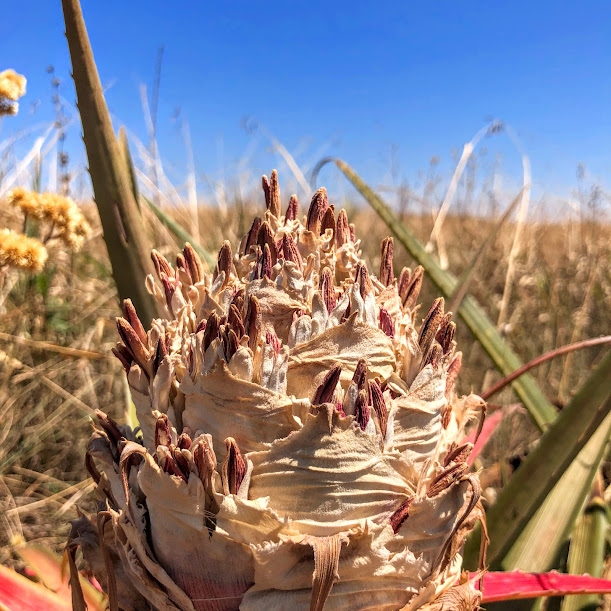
[17,250]
[68,222]
[12,87]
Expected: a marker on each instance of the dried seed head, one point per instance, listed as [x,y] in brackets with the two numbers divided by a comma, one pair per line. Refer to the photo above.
[293,209]
[163,437]
[376,398]
[318,207]
[360,374]
[342,231]
[290,252]
[328,220]
[251,236]
[161,264]
[325,286]
[324,393]
[234,468]
[404,282]
[194,263]
[361,409]
[266,190]
[274,195]
[413,292]
[387,272]
[223,261]
[387,324]
[430,325]
[400,515]
[252,322]
[352,232]
[129,313]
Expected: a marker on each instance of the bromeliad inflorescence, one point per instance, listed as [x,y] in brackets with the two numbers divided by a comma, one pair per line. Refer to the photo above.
[299,433]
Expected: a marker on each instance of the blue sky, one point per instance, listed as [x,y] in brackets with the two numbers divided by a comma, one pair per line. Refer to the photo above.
[384,85]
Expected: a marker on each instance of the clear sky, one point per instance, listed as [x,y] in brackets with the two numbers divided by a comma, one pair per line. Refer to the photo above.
[384,85]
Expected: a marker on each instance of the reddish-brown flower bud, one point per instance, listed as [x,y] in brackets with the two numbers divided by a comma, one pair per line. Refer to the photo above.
[194,263]
[360,374]
[293,209]
[274,195]
[161,264]
[376,398]
[251,236]
[361,409]
[325,391]
[129,313]
[266,190]
[223,261]
[252,322]
[387,324]
[326,287]
[234,468]
[163,436]
[290,252]
[328,220]
[387,272]
[342,230]
[430,325]
[318,207]
[400,515]
[413,292]
[404,282]
[265,236]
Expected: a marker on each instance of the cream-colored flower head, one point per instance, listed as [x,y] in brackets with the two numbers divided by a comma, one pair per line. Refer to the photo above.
[21,252]
[68,222]
[341,481]
[12,85]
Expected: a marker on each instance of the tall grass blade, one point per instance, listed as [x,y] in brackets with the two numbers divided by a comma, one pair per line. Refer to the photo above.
[587,551]
[532,483]
[540,544]
[129,164]
[180,233]
[484,330]
[124,233]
